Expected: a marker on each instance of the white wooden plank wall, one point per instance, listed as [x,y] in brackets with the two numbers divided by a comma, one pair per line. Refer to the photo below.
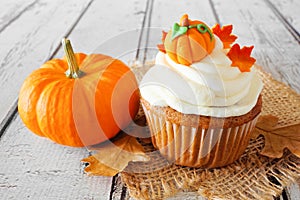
[274,47]
[13,11]
[106,22]
[36,168]
[290,10]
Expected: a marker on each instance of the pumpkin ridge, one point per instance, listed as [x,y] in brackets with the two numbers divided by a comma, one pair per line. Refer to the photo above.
[97,66]
[119,74]
[170,46]
[66,119]
[198,45]
[51,99]
[184,51]
[34,85]
[95,62]
[55,64]
[85,104]
[80,57]
[119,89]
[42,104]
[210,42]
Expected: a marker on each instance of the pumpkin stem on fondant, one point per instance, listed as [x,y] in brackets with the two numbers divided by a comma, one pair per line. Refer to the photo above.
[184,21]
[73,71]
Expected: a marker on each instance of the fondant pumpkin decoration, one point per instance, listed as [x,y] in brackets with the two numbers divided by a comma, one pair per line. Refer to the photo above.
[79,100]
[188,42]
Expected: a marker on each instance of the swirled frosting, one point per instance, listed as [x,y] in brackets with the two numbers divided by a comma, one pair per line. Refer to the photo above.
[211,87]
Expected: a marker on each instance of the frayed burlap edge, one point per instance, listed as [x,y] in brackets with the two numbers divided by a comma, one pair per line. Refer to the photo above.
[253,176]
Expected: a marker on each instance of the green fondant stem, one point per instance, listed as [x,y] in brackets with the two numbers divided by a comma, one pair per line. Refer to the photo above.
[178,30]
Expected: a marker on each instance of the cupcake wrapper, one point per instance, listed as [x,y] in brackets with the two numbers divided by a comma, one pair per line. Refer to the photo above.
[196,146]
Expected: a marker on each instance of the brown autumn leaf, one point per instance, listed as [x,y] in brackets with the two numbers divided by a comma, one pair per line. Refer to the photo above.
[277,138]
[97,168]
[112,157]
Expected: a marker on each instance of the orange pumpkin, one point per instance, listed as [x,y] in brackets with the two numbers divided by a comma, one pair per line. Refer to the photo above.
[79,100]
[189,41]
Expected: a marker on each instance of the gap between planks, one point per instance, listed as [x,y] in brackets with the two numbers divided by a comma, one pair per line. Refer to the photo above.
[214,11]
[118,189]
[285,22]
[146,20]
[17,16]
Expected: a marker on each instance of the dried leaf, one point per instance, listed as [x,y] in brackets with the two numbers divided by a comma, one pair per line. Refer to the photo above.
[277,138]
[224,34]
[241,57]
[97,168]
[112,157]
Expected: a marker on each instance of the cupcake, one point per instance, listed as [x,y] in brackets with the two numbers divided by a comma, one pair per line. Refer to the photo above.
[202,97]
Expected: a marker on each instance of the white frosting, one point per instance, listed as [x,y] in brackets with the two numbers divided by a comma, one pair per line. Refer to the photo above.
[211,87]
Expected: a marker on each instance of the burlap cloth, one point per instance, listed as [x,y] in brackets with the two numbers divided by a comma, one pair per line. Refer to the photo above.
[253,176]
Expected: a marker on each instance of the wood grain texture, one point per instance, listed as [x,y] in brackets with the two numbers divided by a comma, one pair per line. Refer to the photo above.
[119,190]
[48,166]
[275,48]
[290,10]
[166,13]
[284,21]
[31,40]
[13,10]
[110,27]
[255,23]
[294,192]
[36,168]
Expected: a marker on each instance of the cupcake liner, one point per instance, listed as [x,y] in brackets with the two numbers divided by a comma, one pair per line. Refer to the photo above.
[197,146]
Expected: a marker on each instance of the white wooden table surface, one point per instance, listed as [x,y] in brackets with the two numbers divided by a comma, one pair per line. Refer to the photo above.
[30,33]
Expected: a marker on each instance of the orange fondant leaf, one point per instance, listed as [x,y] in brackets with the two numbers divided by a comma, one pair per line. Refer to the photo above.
[113,156]
[241,57]
[161,47]
[277,138]
[224,34]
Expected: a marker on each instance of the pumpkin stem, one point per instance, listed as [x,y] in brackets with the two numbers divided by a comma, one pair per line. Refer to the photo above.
[73,71]
[184,20]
